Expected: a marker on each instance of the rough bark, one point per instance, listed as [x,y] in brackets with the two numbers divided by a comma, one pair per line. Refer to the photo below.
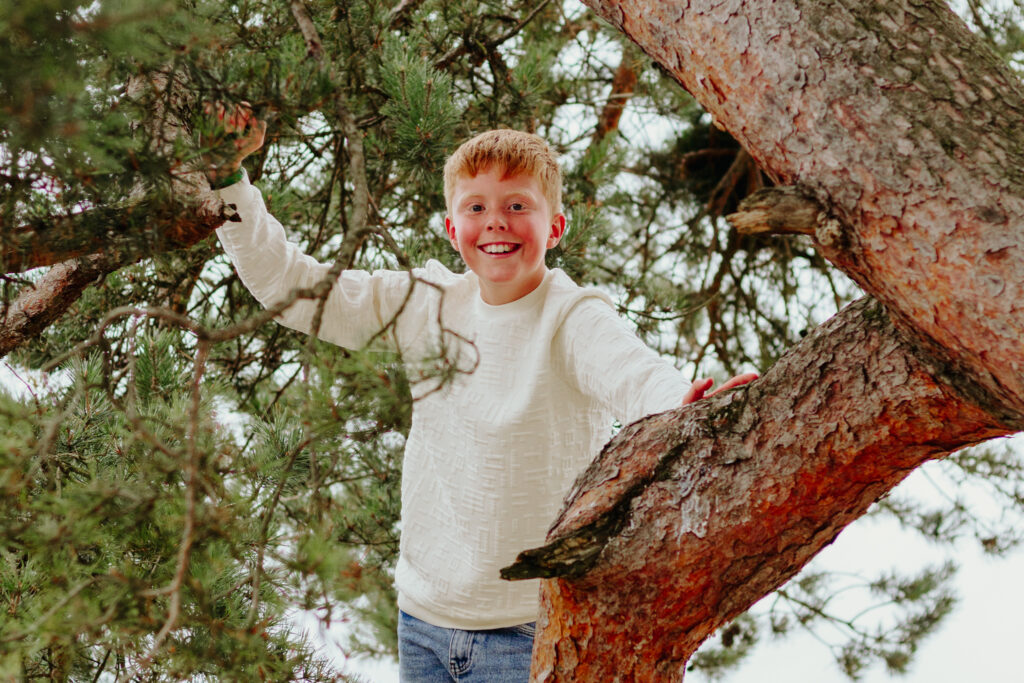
[38,305]
[689,517]
[905,128]
[901,122]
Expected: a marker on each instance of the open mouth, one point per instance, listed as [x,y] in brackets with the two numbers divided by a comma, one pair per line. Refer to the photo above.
[500,248]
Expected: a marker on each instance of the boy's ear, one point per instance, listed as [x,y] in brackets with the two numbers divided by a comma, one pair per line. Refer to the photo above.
[449,227]
[557,230]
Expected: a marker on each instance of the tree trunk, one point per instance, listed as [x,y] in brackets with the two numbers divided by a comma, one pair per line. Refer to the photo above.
[905,128]
[899,121]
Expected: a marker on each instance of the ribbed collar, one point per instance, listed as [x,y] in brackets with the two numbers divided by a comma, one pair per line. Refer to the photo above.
[520,305]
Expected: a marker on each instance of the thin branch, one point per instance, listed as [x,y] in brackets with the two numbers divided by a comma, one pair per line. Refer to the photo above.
[623,85]
[399,14]
[728,182]
[63,602]
[467,46]
[314,46]
[188,530]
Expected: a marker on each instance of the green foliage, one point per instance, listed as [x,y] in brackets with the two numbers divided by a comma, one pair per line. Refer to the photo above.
[907,609]
[1000,24]
[129,525]
[161,527]
[66,121]
[981,493]
[421,113]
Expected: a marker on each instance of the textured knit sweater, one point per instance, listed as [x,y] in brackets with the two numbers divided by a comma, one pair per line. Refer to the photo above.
[491,453]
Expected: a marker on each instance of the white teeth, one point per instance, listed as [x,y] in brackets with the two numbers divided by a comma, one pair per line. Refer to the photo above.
[498,248]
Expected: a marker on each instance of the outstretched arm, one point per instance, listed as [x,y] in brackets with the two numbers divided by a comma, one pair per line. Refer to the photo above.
[359,304]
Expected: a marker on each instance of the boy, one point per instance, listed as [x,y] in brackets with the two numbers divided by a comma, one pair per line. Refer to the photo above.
[491,454]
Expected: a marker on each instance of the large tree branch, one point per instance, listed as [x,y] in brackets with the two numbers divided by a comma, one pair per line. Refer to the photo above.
[39,304]
[125,234]
[689,517]
[902,122]
[898,121]
[87,246]
[172,226]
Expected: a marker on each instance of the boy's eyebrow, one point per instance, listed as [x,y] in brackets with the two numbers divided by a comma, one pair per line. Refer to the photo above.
[477,196]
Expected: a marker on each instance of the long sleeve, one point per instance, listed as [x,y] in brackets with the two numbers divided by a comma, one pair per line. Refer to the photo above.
[360,303]
[603,358]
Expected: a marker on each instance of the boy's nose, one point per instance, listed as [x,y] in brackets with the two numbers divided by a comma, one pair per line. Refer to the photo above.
[496,222]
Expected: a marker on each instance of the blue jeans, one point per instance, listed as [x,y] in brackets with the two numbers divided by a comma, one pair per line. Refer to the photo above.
[431,654]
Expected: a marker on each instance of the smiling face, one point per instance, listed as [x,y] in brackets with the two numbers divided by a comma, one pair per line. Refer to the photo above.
[502,227]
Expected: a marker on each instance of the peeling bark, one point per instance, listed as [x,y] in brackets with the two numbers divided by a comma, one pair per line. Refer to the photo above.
[778,211]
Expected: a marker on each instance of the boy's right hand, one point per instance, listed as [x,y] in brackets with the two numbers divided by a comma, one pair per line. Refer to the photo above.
[245,132]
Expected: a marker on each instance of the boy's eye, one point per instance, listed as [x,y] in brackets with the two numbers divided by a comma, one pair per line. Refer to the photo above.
[476,208]
[517,206]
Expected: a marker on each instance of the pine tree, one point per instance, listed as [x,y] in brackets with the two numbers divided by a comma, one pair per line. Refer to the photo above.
[181,473]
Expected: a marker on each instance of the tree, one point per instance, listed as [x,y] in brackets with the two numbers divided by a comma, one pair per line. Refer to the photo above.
[183,472]
[903,128]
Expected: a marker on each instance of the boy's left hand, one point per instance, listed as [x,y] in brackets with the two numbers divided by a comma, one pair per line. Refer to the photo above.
[700,386]
[240,126]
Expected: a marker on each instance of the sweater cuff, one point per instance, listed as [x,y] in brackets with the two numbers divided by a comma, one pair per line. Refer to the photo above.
[228,181]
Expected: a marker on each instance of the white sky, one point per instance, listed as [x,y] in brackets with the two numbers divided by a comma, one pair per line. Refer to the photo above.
[978,641]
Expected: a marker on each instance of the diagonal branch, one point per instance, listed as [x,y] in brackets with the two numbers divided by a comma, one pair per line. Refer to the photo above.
[94,243]
[125,234]
[314,46]
[399,14]
[487,46]
[624,83]
[695,514]
[40,304]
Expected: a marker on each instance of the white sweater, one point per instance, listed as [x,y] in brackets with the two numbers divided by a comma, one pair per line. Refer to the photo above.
[491,454]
